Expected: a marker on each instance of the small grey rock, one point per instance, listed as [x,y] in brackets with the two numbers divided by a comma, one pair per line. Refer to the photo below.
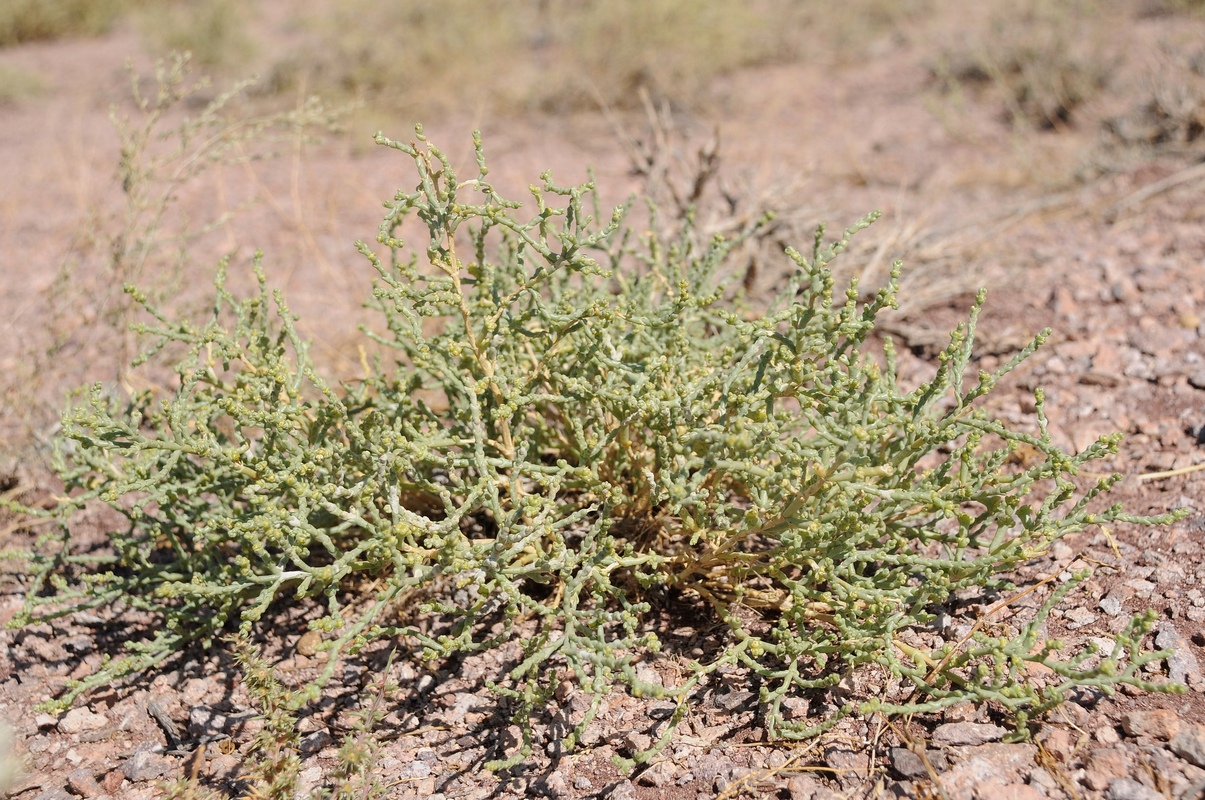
[208,721]
[556,785]
[635,742]
[1189,744]
[583,783]
[418,769]
[1182,666]
[1128,789]
[967,733]
[659,774]
[1079,618]
[624,790]
[1111,606]
[847,765]
[53,793]
[145,766]
[733,700]
[709,766]
[315,742]
[907,763]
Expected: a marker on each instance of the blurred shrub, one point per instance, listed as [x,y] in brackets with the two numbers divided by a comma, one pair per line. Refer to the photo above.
[35,20]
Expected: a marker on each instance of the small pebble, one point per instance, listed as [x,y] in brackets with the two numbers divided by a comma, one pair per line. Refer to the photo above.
[967,733]
[1129,789]
[1079,617]
[1159,723]
[79,720]
[1189,744]
[308,644]
[1182,665]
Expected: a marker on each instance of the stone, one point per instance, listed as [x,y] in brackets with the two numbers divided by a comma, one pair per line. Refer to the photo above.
[733,700]
[205,721]
[1182,666]
[1130,789]
[1004,763]
[1159,723]
[1079,617]
[309,778]
[659,774]
[624,790]
[83,783]
[53,793]
[194,691]
[223,766]
[1189,744]
[80,720]
[112,781]
[967,733]
[309,643]
[907,763]
[144,765]
[1105,765]
[851,764]
[556,785]
[635,742]
[709,767]
[994,790]
[1059,742]
[805,787]
[315,742]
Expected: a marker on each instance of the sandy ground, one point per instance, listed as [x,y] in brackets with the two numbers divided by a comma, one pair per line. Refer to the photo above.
[1098,236]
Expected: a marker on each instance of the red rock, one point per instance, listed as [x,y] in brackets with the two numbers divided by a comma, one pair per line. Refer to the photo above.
[1159,723]
[1059,742]
[1002,763]
[83,783]
[112,782]
[1105,765]
[994,790]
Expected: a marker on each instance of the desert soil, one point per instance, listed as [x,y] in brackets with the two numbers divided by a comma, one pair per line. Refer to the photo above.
[1096,235]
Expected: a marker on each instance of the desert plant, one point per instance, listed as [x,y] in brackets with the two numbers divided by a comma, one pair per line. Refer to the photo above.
[503,55]
[214,32]
[164,154]
[1036,58]
[579,417]
[17,84]
[34,20]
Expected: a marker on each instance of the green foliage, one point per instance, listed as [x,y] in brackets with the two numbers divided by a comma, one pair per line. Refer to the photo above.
[579,418]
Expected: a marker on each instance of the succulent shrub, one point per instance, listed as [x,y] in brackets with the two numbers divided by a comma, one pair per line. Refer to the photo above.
[572,416]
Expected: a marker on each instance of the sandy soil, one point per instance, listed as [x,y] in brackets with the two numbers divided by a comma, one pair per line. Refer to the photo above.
[1095,235]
